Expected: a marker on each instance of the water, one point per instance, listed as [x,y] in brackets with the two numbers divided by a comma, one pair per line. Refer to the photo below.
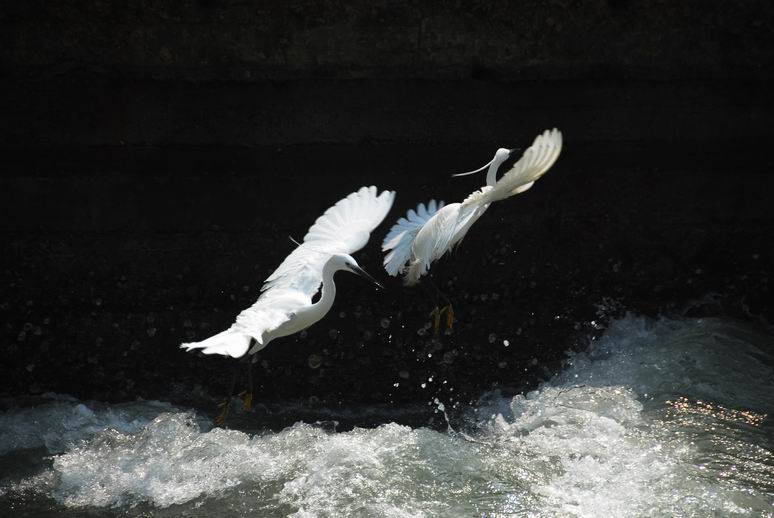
[664,418]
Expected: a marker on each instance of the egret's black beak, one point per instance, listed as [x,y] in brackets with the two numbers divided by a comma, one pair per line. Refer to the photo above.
[358,270]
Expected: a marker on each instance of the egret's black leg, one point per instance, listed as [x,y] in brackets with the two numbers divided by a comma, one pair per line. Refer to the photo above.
[436,312]
[247,395]
[449,309]
[225,405]
[438,291]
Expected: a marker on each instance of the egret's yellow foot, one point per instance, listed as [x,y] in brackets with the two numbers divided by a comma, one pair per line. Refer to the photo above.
[449,316]
[247,400]
[436,314]
[225,408]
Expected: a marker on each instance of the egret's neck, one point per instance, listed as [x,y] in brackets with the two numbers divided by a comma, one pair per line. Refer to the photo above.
[328,293]
[491,173]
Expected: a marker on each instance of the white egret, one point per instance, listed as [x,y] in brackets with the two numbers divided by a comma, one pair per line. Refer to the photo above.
[426,234]
[286,305]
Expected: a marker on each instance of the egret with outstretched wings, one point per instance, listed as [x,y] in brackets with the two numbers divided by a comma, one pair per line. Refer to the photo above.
[428,232]
[286,305]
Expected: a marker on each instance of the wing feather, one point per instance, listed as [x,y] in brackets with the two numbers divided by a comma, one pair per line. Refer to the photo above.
[533,164]
[401,236]
[434,239]
[343,228]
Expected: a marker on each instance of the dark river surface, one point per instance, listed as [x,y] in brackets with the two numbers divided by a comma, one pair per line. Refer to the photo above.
[612,354]
[664,417]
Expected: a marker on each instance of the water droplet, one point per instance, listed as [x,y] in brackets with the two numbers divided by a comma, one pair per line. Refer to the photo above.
[423,385]
[385,323]
[492,338]
[506,343]
[314,361]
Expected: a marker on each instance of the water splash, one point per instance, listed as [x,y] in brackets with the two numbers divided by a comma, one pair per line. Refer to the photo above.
[61,421]
[656,418]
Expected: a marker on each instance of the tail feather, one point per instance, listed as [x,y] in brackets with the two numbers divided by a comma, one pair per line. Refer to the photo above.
[416,269]
[228,343]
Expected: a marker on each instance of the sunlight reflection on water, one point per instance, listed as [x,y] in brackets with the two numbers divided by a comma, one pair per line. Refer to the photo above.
[656,418]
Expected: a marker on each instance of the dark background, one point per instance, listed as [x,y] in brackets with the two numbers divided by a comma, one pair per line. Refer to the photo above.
[156,155]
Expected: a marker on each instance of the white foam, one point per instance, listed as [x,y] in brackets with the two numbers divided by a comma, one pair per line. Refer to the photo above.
[617,433]
[655,419]
[64,421]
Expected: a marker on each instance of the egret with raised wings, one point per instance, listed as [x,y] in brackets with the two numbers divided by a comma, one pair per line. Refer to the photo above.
[428,232]
[286,305]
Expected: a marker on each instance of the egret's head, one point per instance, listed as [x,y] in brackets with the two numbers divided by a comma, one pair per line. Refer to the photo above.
[501,155]
[347,262]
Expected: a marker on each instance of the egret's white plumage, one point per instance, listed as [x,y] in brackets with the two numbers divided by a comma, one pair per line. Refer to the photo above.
[424,236]
[402,234]
[285,305]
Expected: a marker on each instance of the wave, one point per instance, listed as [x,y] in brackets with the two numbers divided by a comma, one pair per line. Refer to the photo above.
[662,417]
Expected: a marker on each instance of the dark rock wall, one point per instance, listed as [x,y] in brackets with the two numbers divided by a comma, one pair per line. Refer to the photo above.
[156,155]
[212,40]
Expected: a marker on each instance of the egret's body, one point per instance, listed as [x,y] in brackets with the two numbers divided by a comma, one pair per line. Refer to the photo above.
[286,303]
[303,313]
[428,232]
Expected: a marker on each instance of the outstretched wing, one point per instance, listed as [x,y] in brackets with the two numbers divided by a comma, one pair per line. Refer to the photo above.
[533,164]
[343,228]
[401,236]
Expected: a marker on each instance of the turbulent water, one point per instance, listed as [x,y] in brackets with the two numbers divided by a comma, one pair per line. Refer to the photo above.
[664,418]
